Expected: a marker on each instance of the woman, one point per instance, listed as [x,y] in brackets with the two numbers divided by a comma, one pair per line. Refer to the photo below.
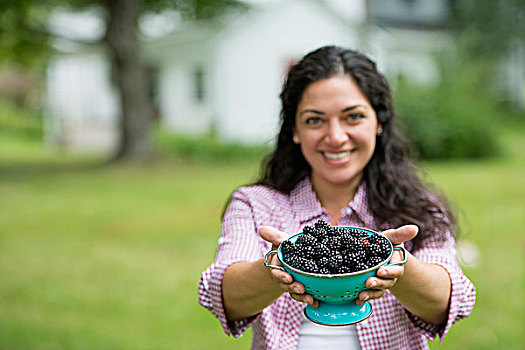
[340,158]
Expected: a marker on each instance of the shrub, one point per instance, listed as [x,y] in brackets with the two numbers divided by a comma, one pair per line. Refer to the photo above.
[20,122]
[447,120]
[206,147]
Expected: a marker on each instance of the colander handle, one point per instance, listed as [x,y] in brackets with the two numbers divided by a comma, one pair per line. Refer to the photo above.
[267,257]
[405,256]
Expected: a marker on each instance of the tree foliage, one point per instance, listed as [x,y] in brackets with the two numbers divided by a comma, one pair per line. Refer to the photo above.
[25,38]
[489,29]
[491,36]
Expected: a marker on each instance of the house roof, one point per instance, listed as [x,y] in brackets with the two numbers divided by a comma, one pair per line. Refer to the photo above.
[206,30]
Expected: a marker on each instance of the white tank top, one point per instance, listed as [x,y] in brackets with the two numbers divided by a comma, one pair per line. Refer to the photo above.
[313,336]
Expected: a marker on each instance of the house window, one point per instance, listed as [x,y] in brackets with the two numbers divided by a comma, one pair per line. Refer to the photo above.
[199,91]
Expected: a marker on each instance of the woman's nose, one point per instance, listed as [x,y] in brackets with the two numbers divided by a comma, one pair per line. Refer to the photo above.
[336,134]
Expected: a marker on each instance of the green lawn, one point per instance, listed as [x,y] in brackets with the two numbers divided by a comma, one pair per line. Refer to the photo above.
[110,256]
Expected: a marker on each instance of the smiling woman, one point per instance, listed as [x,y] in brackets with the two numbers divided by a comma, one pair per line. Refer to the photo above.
[336,127]
[339,158]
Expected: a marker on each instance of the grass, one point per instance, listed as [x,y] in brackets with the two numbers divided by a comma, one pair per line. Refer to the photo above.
[491,196]
[110,256]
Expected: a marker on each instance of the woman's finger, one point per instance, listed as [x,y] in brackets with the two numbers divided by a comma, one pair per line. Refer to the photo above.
[296,287]
[390,271]
[370,294]
[272,235]
[305,298]
[380,283]
[281,276]
[401,234]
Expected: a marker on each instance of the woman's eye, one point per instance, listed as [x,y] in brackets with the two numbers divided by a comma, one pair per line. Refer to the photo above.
[354,117]
[313,120]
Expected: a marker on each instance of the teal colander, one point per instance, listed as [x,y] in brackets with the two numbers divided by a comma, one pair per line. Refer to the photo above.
[336,293]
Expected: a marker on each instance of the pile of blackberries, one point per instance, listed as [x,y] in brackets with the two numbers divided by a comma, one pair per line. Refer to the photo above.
[326,249]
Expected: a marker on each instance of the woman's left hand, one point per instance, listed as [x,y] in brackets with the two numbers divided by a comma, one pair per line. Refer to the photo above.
[387,276]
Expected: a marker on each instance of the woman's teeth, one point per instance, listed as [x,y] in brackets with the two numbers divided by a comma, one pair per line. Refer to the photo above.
[340,155]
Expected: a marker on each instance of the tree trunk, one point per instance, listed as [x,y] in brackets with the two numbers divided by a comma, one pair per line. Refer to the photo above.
[129,74]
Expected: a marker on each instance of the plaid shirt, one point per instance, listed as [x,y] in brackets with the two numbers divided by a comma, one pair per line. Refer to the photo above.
[390,326]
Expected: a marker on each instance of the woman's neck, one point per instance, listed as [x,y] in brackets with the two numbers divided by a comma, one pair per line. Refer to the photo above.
[334,197]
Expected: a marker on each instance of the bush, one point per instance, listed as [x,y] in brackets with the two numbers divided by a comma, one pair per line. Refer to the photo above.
[448,120]
[206,147]
[20,122]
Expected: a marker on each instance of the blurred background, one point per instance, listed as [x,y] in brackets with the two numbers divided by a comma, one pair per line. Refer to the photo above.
[126,124]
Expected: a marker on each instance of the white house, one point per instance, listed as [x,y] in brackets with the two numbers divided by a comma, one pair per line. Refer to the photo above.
[82,106]
[226,77]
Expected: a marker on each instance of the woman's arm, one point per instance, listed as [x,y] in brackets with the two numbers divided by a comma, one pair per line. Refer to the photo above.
[249,287]
[423,289]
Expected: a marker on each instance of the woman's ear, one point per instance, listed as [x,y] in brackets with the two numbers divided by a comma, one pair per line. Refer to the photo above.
[379,129]
[296,139]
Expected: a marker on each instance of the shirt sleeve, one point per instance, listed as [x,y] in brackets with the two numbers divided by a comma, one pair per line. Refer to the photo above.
[463,293]
[239,241]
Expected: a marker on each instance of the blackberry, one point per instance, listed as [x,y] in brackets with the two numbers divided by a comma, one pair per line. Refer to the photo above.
[320,233]
[328,249]
[344,269]
[334,262]
[323,262]
[332,242]
[384,249]
[308,251]
[357,254]
[292,260]
[309,230]
[287,248]
[373,250]
[363,241]
[347,240]
[361,266]
[342,230]
[373,261]
[305,265]
[353,231]
[322,224]
[325,241]
[305,240]
[324,271]
[351,264]
[321,250]
[358,233]
[375,239]
[354,258]
[384,254]
[333,231]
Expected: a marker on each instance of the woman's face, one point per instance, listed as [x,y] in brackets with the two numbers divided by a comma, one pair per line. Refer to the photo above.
[336,128]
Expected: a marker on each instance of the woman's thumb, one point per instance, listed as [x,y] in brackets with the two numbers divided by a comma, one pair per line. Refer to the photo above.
[272,235]
[401,234]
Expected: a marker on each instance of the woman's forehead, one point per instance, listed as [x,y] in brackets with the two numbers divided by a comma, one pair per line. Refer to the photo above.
[340,90]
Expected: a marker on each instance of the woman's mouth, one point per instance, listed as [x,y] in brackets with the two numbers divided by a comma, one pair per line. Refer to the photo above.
[336,156]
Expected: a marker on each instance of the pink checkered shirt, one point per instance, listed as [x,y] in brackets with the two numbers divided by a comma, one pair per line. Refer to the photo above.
[390,326]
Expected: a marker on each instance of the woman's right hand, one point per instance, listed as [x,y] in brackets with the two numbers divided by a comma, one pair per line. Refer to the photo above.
[284,280]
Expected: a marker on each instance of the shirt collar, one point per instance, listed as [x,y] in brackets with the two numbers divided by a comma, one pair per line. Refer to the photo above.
[304,201]
[306,205]
[359,205]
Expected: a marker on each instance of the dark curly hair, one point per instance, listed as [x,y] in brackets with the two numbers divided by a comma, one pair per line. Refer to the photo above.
[396,194]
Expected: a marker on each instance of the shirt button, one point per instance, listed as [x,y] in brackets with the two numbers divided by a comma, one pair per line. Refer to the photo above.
[348,210]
